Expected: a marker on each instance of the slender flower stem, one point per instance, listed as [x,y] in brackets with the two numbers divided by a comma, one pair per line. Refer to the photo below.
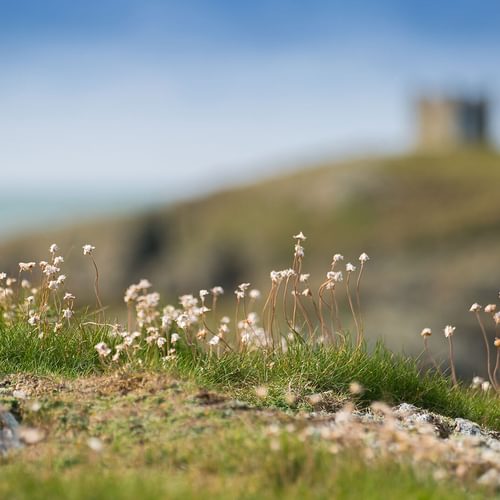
[358,300]
[452,363]
[430,356]
[487,344]
[349,298]
[497,366]
[96,282]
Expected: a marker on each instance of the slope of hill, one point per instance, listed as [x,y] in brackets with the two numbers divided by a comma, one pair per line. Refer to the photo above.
[431,225]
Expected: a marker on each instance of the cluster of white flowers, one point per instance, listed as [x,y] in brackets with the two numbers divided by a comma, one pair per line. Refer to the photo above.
[335,276]
[278,276]
[40,306]
[133,291]
[251,334]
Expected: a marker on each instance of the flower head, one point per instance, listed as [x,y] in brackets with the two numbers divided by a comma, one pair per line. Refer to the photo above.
[88,249]
[26,266]
[364,257]
[350,268]
[338,257]
[299,236]
[449,331]
[490,308]
[475,307]
[67,313]
[53,248]
[426,332]
[214,340]
[299,250]
[217,290]
[102,349]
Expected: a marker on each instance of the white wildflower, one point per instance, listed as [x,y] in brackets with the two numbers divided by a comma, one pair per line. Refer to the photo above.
[426,332]
[335,276]
[53,248]
[364,257]
[475,307]
[102,349]
[338,257]
[477,382]
[490,308]
[67,313]
[58,260]
[449,331]
[175,337]
[50,270]
[53,285]
[26,266]
[88,249]
[299,250]
[214,340]
[299,236]
[496,318]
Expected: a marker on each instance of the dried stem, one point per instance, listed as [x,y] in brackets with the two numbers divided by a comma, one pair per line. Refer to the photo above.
[96,282]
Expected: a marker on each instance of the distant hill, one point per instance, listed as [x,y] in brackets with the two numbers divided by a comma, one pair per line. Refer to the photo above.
[430,223]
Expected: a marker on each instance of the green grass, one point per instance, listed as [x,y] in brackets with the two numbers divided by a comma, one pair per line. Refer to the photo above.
[303,370]
[306,370]
[69,353]
[289,476]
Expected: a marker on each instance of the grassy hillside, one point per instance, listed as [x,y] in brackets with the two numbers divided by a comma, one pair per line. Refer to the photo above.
[429,223]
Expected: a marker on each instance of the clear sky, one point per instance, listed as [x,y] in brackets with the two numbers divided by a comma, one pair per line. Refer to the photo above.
[181,96]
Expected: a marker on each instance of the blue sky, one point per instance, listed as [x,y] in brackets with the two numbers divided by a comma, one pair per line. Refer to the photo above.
[175,98]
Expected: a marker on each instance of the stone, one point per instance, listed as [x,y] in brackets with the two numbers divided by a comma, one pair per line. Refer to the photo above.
[465,427]
[9,432]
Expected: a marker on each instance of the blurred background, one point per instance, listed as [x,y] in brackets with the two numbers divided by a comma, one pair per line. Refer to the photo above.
[189,140]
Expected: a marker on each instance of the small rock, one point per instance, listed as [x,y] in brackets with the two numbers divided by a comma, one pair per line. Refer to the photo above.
[466,428]
[405,409]
[9,432]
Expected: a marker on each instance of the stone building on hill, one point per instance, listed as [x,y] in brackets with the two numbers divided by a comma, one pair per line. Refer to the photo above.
[446,123]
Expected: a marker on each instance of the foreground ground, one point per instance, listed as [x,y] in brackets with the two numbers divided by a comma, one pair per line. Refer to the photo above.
[131,434]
